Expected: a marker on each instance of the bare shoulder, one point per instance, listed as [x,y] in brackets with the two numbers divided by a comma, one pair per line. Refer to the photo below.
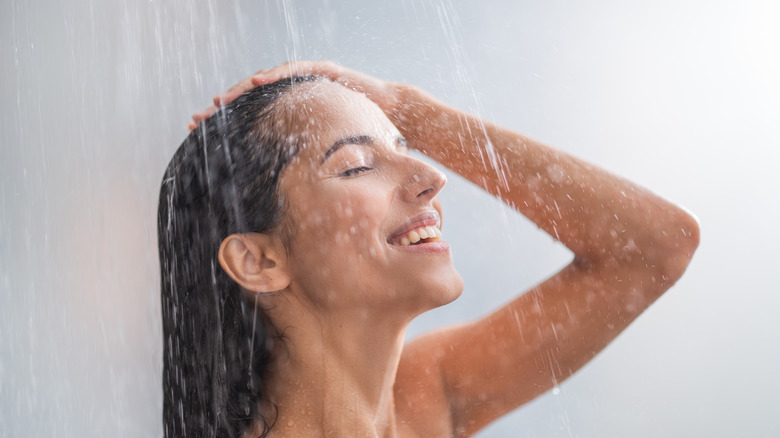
[421,402]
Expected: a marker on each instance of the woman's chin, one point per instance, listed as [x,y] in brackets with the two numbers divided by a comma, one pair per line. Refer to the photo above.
[441,290]
[454,291]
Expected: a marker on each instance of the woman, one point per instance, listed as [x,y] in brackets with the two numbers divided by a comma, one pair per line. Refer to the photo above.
[298,239]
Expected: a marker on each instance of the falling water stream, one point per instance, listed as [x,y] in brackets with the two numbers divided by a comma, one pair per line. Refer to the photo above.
[683,99]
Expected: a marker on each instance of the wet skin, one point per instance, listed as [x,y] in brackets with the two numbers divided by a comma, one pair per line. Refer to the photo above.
[339,283]
[349,191]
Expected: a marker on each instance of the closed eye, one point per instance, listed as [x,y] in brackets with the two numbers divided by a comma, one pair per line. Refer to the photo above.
[356,171]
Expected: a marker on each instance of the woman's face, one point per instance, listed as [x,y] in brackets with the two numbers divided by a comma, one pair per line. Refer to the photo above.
[356,202]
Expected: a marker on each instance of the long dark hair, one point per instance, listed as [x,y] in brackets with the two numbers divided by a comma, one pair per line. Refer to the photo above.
[217,343]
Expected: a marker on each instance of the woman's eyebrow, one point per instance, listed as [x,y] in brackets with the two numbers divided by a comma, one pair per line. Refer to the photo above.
[358,139]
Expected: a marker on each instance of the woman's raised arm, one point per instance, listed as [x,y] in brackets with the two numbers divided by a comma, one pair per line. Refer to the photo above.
[629,246]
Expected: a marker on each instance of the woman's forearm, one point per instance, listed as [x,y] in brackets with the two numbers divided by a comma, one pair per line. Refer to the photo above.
[600,217]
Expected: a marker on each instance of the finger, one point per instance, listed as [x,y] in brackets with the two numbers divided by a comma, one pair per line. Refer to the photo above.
[266,78]
[243,85]
[203,115]
[286,70]
[223,99]
[192,126]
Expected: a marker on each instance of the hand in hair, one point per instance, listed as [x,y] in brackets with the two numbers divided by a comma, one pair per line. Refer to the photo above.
[383,93]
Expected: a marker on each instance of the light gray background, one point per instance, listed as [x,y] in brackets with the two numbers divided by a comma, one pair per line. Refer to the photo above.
[680,96]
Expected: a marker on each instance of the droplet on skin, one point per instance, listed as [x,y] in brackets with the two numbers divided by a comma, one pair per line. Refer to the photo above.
[556,173]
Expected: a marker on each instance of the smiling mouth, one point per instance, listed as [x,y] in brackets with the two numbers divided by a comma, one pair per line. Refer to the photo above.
[418,236]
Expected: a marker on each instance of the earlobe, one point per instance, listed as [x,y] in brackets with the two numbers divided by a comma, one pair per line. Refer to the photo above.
[256,261]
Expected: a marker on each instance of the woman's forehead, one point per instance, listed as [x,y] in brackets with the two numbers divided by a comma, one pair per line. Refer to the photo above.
[325,100]
[325,112]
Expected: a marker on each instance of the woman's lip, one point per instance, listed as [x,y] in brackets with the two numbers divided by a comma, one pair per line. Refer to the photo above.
[429,218]
[436,247]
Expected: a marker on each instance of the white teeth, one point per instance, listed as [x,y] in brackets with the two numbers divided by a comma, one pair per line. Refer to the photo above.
[419,234]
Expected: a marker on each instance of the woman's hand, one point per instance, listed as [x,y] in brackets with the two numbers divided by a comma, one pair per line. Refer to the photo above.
[383,93]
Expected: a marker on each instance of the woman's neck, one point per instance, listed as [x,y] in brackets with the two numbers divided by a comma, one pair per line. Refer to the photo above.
[334,376]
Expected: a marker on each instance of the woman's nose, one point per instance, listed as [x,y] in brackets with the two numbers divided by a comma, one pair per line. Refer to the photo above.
[424,181]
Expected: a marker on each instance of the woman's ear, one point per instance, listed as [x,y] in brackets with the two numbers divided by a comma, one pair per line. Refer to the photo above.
[256,261]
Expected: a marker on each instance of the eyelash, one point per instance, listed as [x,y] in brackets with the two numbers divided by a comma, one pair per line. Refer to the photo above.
[356,170]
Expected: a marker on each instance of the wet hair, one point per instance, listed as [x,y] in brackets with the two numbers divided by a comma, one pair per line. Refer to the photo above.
[223,179]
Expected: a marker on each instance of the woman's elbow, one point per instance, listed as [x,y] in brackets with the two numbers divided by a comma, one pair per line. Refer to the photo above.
[679,245]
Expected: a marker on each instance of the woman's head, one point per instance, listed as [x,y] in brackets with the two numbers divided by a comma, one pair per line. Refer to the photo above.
[303,187]
[352,192]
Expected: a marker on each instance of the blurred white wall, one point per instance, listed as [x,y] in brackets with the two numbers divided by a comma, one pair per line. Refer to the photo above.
[682,97]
